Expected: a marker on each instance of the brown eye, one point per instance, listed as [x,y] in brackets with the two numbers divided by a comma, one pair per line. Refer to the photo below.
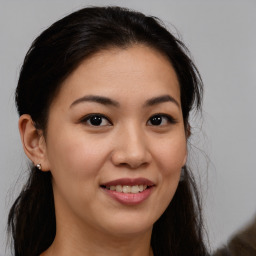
[161,119]
[156,120]
[96,120]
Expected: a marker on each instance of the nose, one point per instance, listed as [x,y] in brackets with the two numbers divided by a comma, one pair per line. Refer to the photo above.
[131,149]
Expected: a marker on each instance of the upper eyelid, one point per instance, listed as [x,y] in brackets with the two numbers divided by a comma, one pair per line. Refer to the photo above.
[86,117]
[164,115]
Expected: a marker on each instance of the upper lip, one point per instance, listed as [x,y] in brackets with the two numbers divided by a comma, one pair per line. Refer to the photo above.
[129,182]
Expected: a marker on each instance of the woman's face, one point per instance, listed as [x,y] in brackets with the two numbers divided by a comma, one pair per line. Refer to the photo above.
[116,142]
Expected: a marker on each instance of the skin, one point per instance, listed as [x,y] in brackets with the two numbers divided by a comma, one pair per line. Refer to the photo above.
[81,156]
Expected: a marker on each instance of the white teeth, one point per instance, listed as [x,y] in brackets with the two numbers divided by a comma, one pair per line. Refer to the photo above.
[128,189]
[119,188]
[135,189]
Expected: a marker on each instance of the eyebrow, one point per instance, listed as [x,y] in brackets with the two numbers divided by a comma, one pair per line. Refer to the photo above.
[107,101]
[161,99]
[98,99]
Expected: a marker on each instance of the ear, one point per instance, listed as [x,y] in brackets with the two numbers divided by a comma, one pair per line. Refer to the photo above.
[33,142]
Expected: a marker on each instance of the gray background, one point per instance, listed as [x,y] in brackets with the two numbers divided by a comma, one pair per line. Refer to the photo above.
[221,36]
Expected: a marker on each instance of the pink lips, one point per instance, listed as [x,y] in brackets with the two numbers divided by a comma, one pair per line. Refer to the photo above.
[129,198]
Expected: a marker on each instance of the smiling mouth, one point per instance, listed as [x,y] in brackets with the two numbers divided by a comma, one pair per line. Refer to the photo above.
[127,189]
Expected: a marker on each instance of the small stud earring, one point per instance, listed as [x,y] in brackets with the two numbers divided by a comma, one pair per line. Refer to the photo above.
[39,166]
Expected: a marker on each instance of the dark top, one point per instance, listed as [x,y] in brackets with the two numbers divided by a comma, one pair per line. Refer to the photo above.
[241,244]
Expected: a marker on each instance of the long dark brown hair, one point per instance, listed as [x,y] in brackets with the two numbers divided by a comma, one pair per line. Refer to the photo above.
[50,59]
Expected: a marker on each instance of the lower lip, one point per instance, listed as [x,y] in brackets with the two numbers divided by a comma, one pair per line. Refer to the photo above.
[129,198]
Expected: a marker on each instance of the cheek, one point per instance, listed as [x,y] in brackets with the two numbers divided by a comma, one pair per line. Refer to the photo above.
[172,155]
[75,154]
[169,156]
[75,162]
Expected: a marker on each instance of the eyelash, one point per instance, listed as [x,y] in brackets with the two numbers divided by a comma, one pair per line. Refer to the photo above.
[169,118]
[87,118]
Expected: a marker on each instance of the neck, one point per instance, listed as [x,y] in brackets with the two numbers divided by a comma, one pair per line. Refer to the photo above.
[70,240]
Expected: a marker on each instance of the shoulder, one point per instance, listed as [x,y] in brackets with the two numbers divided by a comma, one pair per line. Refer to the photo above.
[241,244]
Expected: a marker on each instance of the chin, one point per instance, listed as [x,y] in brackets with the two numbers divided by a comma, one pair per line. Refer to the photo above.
[129,225]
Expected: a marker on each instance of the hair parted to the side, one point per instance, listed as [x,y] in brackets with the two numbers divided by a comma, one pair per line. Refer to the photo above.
[51,58]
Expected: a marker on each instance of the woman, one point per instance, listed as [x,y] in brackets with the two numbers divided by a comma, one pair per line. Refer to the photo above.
[104,97]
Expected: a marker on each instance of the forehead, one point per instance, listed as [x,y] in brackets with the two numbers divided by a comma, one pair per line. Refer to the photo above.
[137,71]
